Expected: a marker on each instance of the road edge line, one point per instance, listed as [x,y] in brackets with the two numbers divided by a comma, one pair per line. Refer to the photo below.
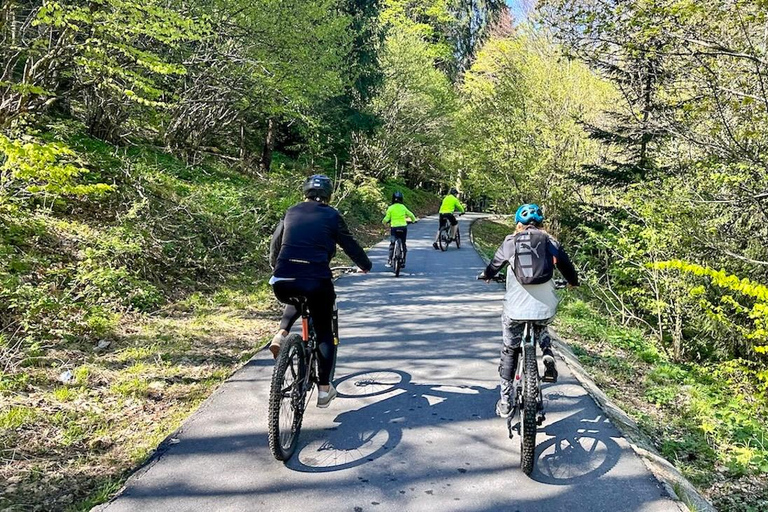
[679,488]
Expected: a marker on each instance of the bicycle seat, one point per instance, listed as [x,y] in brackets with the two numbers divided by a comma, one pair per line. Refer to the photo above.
[299,301]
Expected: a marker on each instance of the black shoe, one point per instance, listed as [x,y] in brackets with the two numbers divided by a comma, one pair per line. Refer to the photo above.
[550,372]
[503,408]
[435,246]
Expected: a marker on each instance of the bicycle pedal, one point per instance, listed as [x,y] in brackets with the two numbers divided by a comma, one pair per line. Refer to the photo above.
[540,419]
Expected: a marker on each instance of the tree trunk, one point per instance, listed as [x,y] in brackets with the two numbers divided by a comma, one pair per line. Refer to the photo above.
[269,145]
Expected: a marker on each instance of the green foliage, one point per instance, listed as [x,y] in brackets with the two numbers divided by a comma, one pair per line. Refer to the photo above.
[164,228]
[107,53]
[40,169]
[422,20]
[713,413]
[743,323]
[520,132]
[415,105]
[16,417]
[682,173]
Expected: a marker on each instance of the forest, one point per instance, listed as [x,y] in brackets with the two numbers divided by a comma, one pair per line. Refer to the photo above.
[147,150]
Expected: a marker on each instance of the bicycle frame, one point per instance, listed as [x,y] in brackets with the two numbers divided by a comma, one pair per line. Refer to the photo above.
[446,226]
[310,343]
[398,248]
[528,342]
[447,234]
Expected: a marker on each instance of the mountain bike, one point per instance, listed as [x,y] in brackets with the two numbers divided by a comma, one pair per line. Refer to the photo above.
[398,256]
[445,239]
[527,398]
[293,378]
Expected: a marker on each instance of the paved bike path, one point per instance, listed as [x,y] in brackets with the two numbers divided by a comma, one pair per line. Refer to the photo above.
[414,427]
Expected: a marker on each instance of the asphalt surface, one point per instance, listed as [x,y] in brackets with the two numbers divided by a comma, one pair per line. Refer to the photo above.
[413,428]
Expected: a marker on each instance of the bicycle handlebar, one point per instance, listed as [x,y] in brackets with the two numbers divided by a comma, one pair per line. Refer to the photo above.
[559,283]
[498,278]
[345,270]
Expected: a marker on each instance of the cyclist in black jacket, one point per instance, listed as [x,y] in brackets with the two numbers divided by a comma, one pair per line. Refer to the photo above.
[301,250]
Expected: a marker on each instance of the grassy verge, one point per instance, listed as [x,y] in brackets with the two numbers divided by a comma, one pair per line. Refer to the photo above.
[120,312]
[707,419]
[69,446]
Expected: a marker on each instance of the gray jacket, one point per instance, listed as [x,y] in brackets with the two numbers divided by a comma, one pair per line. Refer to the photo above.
[530,301]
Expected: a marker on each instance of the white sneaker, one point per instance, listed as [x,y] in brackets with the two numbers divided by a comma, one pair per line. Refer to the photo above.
[324,397]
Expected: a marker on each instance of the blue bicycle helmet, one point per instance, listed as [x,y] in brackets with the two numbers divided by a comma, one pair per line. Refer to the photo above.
[397,197]
[529,213]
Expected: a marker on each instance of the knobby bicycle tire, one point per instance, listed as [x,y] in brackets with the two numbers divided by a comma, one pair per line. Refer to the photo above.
[291,360]
[443,239]
[397,262]
[458,238]
[530,406]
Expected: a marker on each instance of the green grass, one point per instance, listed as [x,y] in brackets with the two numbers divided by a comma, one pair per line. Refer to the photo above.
[488,234]
[701,417]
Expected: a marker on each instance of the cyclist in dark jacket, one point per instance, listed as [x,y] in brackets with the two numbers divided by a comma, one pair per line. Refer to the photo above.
[301,250]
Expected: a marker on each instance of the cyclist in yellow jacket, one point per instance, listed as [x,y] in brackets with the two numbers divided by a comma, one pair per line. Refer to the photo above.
[397,216]
[450,205]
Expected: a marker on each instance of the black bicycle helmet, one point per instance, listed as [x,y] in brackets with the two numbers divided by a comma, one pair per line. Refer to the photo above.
[453,191]
[318,186]
[397,197]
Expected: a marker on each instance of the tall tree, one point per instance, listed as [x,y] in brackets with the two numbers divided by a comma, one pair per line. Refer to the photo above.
[627,44]
[475,19]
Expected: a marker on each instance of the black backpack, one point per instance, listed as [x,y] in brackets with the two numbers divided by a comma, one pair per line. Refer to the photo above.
[532,261]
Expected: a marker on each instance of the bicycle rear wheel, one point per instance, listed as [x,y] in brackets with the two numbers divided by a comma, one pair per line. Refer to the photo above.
[530,406]
[442,240]
[397,257]
[287,398]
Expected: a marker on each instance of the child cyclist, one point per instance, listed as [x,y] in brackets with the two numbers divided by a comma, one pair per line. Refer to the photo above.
[397,216]
[449,205]
[532,255]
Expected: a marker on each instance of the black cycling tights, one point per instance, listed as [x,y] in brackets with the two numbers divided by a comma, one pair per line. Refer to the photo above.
[320,298]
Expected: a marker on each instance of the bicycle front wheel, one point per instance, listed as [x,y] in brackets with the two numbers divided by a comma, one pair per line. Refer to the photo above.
[287,398]
[530,409]
[458,238]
